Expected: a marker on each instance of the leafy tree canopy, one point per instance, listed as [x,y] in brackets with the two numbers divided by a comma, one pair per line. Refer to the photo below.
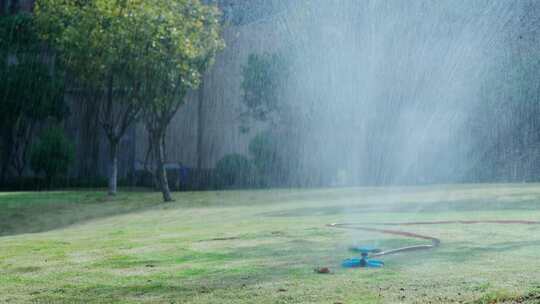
[264,77]
[133,38]
[184,37]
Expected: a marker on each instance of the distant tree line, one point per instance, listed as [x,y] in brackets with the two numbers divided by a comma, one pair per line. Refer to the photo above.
[135,61]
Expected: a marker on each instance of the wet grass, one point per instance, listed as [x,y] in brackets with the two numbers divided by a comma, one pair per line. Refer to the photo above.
[262,246]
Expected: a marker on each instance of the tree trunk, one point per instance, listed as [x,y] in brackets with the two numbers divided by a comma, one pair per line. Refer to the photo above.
[7,147]
[113,169]
[152,160]
[161,171]
[4,169]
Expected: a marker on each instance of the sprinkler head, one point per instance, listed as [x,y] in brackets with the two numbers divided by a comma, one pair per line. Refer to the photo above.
[364,260]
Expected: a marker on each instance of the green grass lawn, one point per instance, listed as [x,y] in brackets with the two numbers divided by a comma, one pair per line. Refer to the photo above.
[262,246]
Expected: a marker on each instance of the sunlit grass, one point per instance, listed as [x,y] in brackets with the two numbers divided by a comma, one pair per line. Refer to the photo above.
[261,246]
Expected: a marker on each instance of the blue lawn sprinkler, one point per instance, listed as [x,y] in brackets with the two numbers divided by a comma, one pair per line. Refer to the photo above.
[364,260]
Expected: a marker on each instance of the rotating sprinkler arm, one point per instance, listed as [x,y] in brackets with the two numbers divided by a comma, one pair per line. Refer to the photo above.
[404,249]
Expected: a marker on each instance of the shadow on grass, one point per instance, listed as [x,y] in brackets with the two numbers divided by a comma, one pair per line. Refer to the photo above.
[36,212]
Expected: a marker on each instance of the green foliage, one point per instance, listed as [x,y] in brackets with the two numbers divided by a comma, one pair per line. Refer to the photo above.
[135,40]
[144,54]
[263,81]
[93,38]
[264,84]
[234,170]
[30,91]
[18,35]
[140,54]
[53,154]
[29,95]
[264,150]
[182,38]
[28,87]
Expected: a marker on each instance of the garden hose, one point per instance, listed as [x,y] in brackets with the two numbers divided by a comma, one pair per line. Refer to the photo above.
[435,242]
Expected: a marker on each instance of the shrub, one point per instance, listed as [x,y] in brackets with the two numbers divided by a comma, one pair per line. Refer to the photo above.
[234,170]
[52,155]
[271,167]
